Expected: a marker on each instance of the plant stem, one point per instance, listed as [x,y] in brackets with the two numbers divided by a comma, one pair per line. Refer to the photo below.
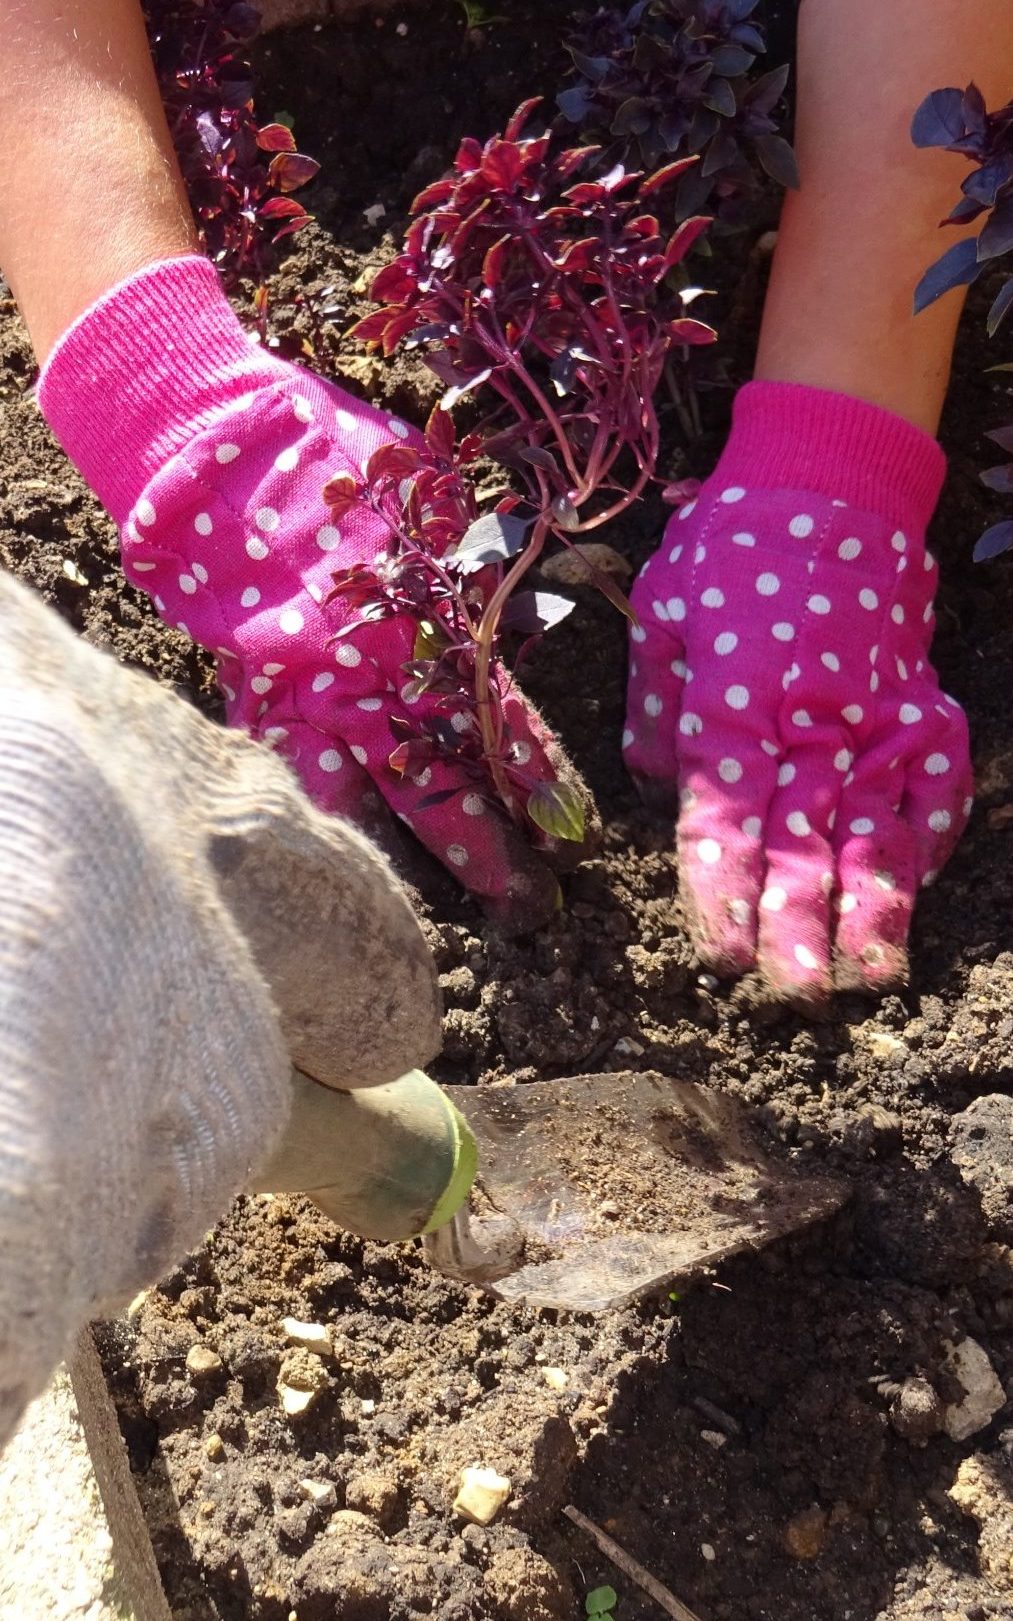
[490,722]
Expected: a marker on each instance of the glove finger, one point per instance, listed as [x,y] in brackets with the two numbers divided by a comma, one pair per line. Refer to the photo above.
[939,791]
[793,951]
[330,926]
[877,876]
[449,808]
[657,676]
[545,760]
[334,780]
[728,781]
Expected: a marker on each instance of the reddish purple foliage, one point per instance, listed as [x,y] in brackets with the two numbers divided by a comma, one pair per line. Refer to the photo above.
[238,174]
[552,295]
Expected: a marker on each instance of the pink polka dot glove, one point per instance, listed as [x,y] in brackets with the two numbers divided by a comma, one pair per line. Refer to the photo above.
[781,692]
[212,455]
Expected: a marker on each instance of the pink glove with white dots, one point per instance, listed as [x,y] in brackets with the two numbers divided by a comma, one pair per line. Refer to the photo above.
[781,693]
[212,456]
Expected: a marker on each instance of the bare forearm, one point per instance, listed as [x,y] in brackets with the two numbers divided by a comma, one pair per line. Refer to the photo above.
[857,237]
[89,187]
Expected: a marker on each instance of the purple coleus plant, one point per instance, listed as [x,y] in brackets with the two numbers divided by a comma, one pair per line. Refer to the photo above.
[549,298]
[239,174]
[662,79]
[959,121]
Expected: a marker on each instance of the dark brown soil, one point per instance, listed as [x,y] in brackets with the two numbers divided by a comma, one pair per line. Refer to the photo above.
[747,1442]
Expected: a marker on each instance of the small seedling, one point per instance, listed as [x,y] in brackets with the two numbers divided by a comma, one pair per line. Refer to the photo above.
[601,1602]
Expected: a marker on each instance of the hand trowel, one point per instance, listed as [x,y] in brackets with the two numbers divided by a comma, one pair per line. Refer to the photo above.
[580,1194]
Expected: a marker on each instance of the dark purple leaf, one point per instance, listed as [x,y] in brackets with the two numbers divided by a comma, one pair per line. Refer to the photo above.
[779,160]
[494,538]
[999,479]
[764,95]
[574,103]
[974,110]
[997,235]
[994,542]
[720,98]
[983,185]
[997,314]
[531,612]
[565,514]
[939,120]
[1003,437]
[731,61]
[958,267]
[594,68]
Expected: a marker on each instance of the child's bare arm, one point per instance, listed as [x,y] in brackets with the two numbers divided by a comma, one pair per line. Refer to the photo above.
[89,186]
[857,237]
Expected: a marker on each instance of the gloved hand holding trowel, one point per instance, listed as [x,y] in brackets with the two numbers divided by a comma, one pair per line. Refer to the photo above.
[178,927]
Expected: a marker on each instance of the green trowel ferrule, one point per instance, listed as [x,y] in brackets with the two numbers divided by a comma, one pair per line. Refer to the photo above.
[463,1174]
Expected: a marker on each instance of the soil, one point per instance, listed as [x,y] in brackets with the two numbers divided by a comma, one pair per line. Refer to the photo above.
[750,1442]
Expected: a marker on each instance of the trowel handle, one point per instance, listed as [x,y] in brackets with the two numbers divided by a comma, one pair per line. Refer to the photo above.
[386,1162]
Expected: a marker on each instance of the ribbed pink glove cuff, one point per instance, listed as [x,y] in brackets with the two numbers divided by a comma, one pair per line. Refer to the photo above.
[151,363]
[786,436]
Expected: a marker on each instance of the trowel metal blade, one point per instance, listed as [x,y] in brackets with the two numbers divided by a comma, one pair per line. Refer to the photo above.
[596,1190]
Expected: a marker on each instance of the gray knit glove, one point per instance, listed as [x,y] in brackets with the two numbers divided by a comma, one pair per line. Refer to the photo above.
[177,923]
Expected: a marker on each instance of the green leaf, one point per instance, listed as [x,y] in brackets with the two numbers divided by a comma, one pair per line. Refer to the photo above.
[559,811]
[430,641]
[601,1600]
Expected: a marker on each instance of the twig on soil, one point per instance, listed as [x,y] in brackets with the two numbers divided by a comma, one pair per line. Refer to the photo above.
[629,1567]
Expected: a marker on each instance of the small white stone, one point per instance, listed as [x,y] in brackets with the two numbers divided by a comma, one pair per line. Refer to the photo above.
[970,1365]
[321,1493]
[481,1494]
[313,1337]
